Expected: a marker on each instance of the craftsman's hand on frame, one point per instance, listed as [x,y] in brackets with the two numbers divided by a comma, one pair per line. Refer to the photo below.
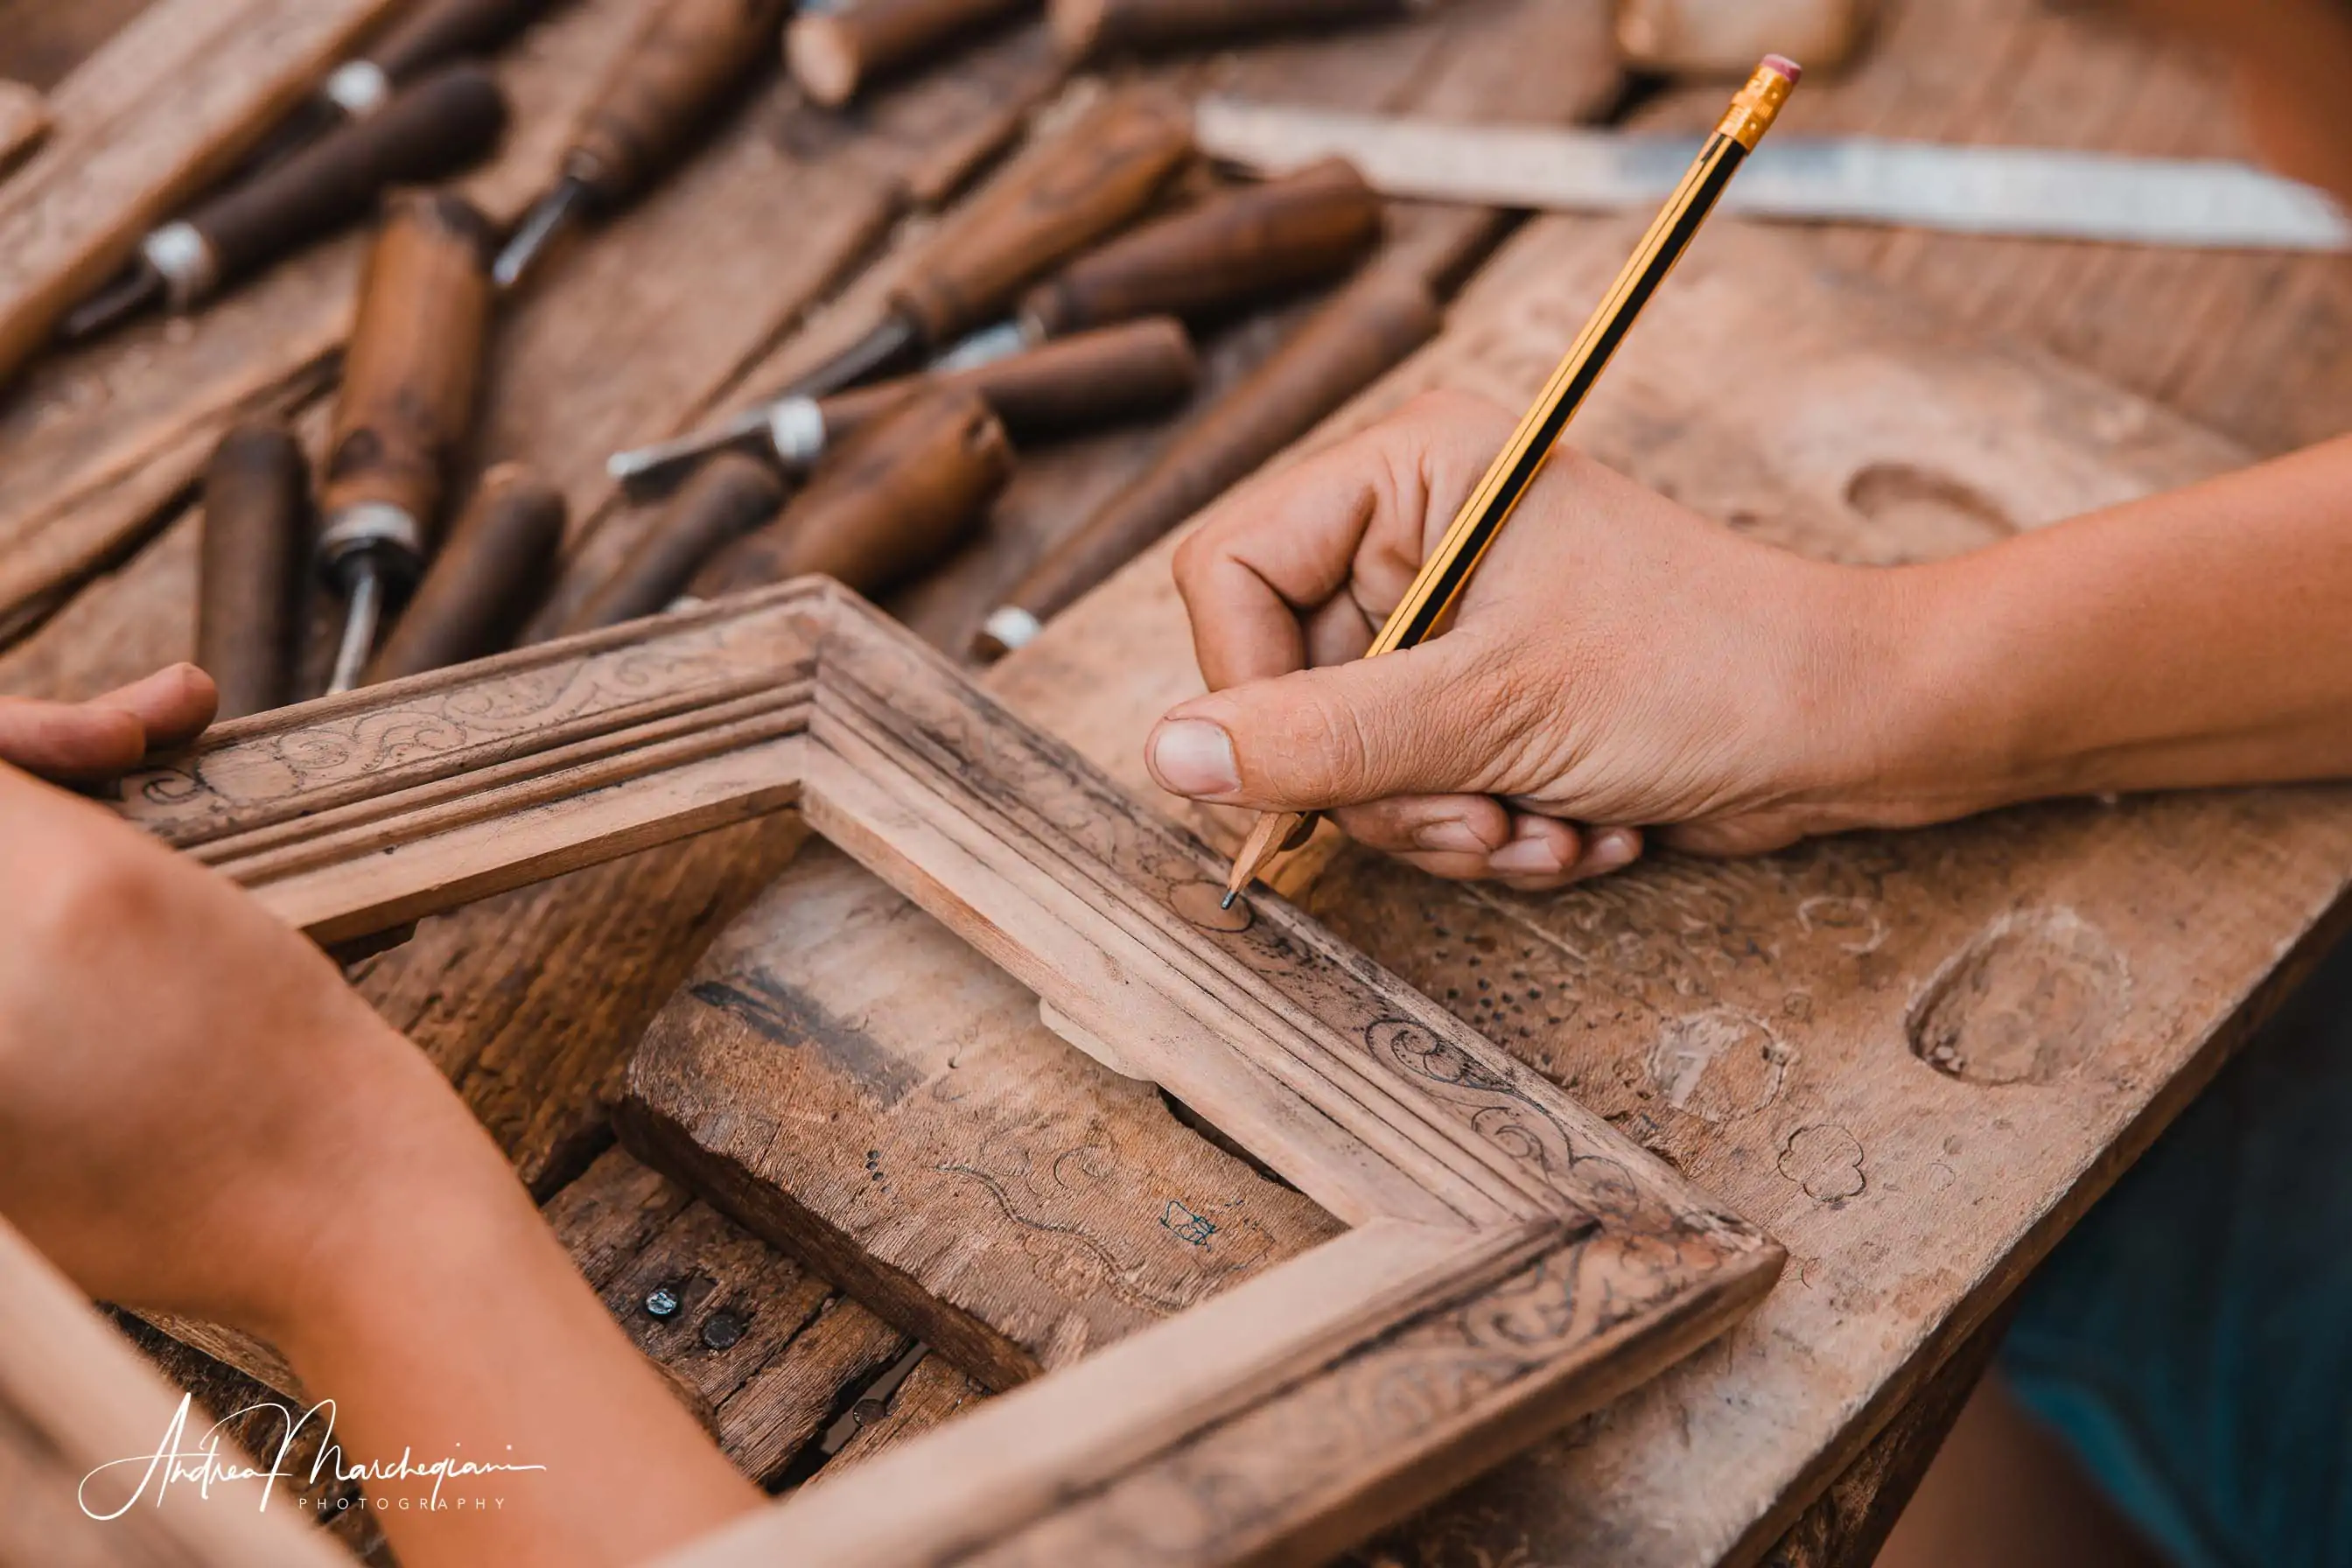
[1618,664]
[197,1114]
[110,734]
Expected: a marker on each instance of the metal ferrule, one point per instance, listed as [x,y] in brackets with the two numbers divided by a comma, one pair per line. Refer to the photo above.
[1755,107]
[369,526]
[1012,627]
[989,344]
[358,88]
[184,259]
[796,429]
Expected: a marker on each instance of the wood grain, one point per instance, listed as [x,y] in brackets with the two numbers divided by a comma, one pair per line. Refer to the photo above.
[168,102]
[1460,1170]
[1016,1201]
[1769,1024]
[23,124]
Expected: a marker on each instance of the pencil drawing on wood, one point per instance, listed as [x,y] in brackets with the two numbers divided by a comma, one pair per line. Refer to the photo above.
[1510,1260]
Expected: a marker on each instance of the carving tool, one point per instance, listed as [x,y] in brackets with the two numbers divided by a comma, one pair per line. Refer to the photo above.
[833,53]
[444,123]
[891,502]
[433,35]
[408,399]
[1055,201]
[497,563]
[727,498]
[256,504]
[2027,192]
[1365,328]
[683,63]
[1489,507]
[1080,382]
[1237,247]
[1086,29]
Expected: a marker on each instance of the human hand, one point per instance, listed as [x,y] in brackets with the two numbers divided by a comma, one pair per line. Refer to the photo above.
[1617,664]
[198,1115]
[190,1098]
[109,734]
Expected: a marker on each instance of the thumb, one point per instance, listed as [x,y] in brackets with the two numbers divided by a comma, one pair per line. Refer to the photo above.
[1432,720]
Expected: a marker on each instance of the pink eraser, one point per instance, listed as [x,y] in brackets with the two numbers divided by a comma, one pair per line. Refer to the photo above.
[1786,66]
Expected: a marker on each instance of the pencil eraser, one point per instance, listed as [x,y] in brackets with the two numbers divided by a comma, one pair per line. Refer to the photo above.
[1786,66]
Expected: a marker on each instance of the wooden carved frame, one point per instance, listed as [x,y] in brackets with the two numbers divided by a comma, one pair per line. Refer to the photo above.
[1513,1260]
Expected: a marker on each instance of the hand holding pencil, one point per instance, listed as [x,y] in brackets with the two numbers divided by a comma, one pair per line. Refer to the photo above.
[1435,590]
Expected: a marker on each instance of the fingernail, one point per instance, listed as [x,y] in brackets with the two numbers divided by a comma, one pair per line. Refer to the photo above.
[1611,848]
[1450,835]
[1525,857]
[1194,757]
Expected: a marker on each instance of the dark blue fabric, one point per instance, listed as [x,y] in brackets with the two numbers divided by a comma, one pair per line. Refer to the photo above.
[2192,1339]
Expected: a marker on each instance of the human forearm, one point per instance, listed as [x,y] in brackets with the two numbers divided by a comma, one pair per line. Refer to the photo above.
[2194,638]
[449,1324]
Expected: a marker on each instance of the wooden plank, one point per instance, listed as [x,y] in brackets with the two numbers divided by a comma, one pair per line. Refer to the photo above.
[764,1344]
[24,122]
[168,103]
[41,42]
[934,1393]
[1758,1023]
[924,1135]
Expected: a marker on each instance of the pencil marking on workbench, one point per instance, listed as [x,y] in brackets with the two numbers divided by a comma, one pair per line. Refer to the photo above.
[2029,1000]
[1826,1161]
[1073,1256]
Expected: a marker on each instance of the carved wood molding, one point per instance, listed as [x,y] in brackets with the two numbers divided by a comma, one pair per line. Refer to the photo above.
[1513,1261]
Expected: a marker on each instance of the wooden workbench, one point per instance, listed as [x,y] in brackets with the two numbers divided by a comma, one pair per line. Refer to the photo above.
[1788,984]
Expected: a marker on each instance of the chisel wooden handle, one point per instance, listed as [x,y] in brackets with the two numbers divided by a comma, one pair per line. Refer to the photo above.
[1242,245]
[1051,204]
[729,496]
[445,122]
[888,504]
[664,86]
[1086,28]
[1080,383]
[256,497]
[449,30]
[497,563]
[1365,329]
[409,376]
[834,53]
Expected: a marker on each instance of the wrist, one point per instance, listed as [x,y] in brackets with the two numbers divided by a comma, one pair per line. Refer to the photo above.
[1913,699]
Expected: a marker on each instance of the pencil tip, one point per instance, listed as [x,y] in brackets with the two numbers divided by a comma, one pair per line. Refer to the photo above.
[1227,901]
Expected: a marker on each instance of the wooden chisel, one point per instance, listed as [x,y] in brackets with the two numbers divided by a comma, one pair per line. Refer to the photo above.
[1084,381]
[685,62]
[437,34]
[1234,248]
[444,123]
[257,505]
[406,404]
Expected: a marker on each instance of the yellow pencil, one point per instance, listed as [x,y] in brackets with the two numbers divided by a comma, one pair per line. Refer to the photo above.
[1482,517]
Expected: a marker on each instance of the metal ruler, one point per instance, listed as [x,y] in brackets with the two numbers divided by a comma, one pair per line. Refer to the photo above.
[2019,190]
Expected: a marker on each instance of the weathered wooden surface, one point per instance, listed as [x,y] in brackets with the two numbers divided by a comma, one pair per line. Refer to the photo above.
[1514,1262]
[24,121]
[510,995]
[1846,1036]
[939,1139]
[170,102]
